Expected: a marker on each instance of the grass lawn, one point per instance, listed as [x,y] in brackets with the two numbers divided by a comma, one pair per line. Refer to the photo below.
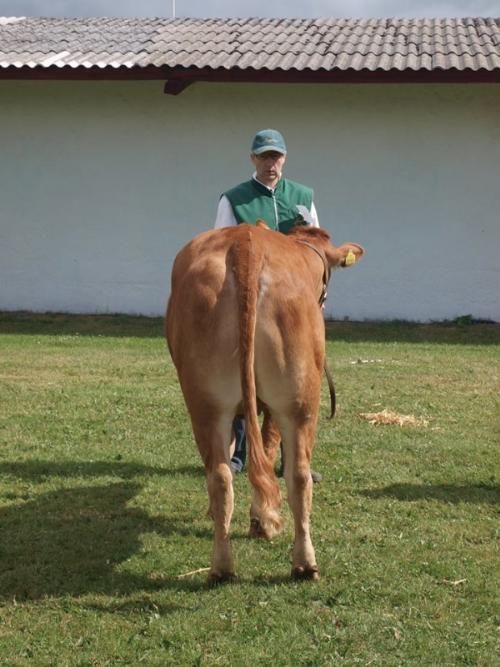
[103,524]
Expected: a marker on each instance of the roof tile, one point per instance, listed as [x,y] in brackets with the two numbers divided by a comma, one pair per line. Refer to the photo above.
[281,44]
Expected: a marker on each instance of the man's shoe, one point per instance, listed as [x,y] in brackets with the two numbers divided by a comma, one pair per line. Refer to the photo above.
[316,476]
[236,466]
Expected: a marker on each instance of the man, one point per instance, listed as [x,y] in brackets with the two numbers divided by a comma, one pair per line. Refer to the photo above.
[281,203]
[267,195]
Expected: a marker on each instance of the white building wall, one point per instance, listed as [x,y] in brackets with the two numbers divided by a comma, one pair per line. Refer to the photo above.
[101,183]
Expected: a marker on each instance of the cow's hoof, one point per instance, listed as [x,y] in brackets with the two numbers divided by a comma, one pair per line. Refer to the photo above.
[218,578]
[305,573]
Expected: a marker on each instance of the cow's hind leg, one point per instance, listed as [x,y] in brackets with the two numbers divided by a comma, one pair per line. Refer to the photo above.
[298,439]
[214,438]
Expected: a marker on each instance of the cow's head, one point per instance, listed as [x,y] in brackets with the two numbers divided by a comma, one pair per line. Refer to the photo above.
[345,255]
[337,257]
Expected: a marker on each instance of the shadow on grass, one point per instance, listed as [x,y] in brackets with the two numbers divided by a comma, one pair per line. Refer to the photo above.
[38,471]
[463,330]
[284,579]
[447,493]
[198,583]
[73,541]
[133,605]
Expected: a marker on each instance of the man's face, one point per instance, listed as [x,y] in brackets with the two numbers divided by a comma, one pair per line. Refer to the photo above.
[269,166]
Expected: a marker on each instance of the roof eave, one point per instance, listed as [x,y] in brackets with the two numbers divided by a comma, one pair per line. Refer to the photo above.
[178,78]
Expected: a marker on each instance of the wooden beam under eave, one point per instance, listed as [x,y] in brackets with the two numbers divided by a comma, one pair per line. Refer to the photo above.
[176,86]
[178,78]
[364,76]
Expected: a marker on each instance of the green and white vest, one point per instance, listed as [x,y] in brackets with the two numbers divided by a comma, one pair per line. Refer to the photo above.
[252,201]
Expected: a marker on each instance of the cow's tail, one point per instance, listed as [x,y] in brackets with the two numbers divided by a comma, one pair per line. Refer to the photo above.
[265,518]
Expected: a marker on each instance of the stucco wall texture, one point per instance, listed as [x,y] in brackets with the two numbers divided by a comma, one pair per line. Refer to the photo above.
[103,182]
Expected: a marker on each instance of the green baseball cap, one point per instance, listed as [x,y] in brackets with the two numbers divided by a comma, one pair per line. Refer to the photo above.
[268,140]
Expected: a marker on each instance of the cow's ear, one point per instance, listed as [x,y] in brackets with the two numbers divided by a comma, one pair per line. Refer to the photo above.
[350,253]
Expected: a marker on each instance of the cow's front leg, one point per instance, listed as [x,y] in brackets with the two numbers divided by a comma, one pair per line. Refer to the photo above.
[298,446]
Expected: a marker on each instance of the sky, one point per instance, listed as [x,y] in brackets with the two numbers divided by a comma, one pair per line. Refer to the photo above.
[247,8]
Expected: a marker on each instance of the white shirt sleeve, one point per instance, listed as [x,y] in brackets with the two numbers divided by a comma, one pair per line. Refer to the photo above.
[314,215]
[225,216]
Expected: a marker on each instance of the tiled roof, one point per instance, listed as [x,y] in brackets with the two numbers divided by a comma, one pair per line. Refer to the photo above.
[259,44]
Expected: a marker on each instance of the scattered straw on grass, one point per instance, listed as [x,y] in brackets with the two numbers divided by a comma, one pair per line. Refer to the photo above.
[393,418]
[190,574]
[457,582]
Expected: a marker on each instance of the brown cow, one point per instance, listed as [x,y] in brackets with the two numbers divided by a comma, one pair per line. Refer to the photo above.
[245,331]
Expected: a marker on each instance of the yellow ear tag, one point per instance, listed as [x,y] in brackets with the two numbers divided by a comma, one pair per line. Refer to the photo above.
[350,258]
